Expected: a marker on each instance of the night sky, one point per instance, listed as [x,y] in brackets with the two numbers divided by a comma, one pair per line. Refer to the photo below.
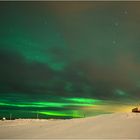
[69,59]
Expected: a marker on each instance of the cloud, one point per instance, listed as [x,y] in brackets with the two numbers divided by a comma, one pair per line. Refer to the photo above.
[19,75]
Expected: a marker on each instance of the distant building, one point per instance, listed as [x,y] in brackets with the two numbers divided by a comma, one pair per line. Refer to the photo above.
[136,109]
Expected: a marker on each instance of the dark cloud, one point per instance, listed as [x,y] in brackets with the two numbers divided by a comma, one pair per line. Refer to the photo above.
[19,75]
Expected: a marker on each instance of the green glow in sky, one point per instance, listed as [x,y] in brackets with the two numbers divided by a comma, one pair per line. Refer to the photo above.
[71,113]
[120,92]
[60,57]
[77,102]
[83,100]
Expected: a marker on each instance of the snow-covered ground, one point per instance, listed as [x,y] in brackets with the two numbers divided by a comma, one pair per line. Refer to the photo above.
[107,126]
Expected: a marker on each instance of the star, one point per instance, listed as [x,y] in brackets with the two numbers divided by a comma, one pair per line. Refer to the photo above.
[125,12]
[116,24]
[114,41]
[45,22]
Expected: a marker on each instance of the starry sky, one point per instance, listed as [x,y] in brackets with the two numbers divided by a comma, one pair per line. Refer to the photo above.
[69,59]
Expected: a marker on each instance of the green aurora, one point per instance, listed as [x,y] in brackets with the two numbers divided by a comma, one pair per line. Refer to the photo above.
[69,59]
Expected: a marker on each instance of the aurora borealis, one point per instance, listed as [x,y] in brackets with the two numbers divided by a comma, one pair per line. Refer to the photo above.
[69,59]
